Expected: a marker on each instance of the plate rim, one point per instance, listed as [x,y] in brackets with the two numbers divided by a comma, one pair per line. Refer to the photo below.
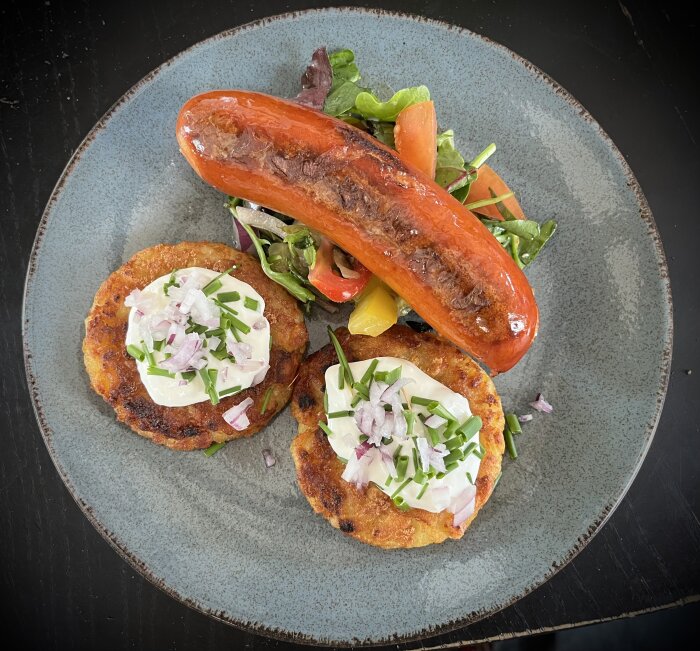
[258,628]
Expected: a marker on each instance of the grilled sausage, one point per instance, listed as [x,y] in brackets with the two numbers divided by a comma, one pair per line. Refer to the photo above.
[400,224]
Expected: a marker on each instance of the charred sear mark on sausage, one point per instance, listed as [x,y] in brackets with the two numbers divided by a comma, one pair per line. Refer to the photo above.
[329,177]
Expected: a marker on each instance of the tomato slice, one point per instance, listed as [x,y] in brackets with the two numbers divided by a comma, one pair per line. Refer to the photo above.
[331,284]
[415,134]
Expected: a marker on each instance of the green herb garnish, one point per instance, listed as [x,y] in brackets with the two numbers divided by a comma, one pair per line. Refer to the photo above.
[214,448]
[250,303]
[228,297]
[135,352]
[154,370]
[266,399]
[231,391]
[327,431]
[341,357]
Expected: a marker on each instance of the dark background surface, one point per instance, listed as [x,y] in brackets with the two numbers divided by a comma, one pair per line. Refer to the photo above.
[62,65]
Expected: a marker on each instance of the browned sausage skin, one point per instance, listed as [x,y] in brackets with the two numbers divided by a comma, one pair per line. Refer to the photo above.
[399,223]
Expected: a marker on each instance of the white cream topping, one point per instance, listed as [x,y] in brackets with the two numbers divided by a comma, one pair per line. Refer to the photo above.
[445,493]
[156,314]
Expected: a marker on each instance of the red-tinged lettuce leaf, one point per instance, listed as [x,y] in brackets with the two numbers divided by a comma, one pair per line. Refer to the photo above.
[316,80]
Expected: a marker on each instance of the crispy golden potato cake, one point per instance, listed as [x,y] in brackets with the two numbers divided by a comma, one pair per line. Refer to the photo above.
[114,375]
[368,514]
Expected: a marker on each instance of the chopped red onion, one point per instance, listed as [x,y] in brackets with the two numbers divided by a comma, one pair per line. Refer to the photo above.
[183,358]
[463,499]
[243,239]
[423,453]
[435,421]
[133,298]
[400,424]
[260,375]
[388,461]
[269,458]
[440,495]
[240,351]
[525,418]
[260,323]
[464,514]
[376,391]
[182,383]
[379,415]
[362,449]
[189,300]
[436,454]
[213,343]
[394,389]
[236,416]
[542,405]
[250,365]
[261,220]
[357,470]
[342,263]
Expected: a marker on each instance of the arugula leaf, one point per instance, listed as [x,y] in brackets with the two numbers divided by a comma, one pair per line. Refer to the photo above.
[342,99]
[530,250]
[369,106]
[525,228]
[450,172]
[288,280]
[384,132]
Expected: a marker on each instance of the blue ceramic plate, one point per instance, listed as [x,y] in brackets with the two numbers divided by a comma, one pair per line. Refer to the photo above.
[239,541]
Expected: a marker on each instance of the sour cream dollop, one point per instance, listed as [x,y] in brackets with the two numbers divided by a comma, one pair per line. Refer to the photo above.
[159,321]
[452,490]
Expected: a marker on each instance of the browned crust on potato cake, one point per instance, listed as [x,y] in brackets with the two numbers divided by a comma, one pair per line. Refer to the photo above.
[113,373]
[368,514]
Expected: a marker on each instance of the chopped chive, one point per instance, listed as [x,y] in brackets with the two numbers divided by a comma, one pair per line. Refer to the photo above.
[480,452]
[392,376]
[235,334]
[469,449]
[213,286]
[397,453]
[154,370]
[454,442]
[214,280]
[455,455]
[388,481]
[441,411]
[231,391]
[450,467]
[171,282]
[214,448]
[369,373]
[513,424]
[341,356]
[415,458]
[158,345]
[266,399]
[510,443]
[469,477]
[401,467]
[422,491]
[401,487]
[380,376]
[327,431]
[452,426]
[410,419]
[361,389]
[495,483]
[420,477]
[343,459]
[433,434]
[441,475]
[148,355]
[341,414]
[188,375]
[250,303]
[341,377]
[325,401]
[356,400]
[400,504]
[199,329]
[481,158]
[424,402]
[135,352]
[487,202]
[226,308]
[228,297]
[211,388]
[239,325]
[363,438]
[219,354]
[216,332]
[470,427]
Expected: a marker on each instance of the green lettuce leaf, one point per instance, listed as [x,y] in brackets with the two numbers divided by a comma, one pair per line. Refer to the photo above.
[369,106]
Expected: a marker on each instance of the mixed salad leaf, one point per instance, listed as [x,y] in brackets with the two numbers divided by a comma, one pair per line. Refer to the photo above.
[306,263]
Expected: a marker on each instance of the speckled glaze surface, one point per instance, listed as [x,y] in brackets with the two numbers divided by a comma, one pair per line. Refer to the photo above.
[237,540]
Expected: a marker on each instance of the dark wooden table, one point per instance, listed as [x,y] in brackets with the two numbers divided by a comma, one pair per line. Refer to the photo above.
[63,64]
